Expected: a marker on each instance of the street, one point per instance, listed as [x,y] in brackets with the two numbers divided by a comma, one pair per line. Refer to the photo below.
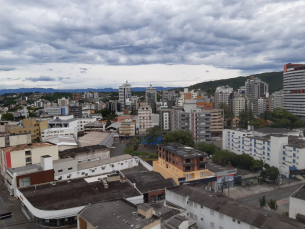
[277,194]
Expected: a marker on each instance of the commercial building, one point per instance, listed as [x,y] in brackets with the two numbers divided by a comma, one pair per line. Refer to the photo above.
[128,127]
[54,111]
[76,111]
[293,85]
[183,164]
[151,96]
[29,175]
[32,126]
[125,96]
[281,148]
[95,126]
[222,95]
[63,102]
[69,198]
[145,118]
[151,184]
[54,132]
[26,154]
[7,139]
[117,214]
[255,88]
[210,210]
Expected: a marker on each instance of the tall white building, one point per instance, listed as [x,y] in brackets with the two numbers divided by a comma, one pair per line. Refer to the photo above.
[281,148]
[145,121]
[63,102]
[294,92]
[222,95]
[124,95]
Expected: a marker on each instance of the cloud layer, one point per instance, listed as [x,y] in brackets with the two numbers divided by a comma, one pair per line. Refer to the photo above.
[252,36]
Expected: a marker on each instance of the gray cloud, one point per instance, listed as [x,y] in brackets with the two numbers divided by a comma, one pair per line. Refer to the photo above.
[40,78]
[247,35]
[6,69]
[63,78]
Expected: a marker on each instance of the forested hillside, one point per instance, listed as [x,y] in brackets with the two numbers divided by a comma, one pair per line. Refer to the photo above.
[274,79]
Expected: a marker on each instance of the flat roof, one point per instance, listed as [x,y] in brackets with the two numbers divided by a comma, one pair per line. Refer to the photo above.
[75,193]
[269,130]
[93,138]
[300,193]
[61,140]
[254,216]
[86,149]
[102,162]
[214,167]
[25,169]
[183,150]
[27,146]
[118,214]
[150,181]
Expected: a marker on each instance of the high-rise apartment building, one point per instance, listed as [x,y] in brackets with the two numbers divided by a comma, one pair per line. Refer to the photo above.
[278,99]
[76,111]
[294,89]
[255,88]
[145,121]
[166,119]
[151,96]
[222,95]
[125,96]
[63,102]
[239,104]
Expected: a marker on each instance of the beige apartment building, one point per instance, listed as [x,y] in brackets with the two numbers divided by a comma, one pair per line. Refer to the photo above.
[145,121]
[25,154]
[128,127]
[217,121]
[31,126]
[239,104]
[7,139]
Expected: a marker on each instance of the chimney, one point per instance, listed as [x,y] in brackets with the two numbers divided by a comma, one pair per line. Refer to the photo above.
[46,162]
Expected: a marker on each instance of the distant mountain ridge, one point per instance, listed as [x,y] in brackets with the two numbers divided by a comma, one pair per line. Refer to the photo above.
[274,79]
[52,90]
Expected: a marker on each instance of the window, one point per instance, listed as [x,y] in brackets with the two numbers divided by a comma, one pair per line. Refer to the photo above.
[284,147]
[293,160]
[268,154]
[70,168]
[201,219]
[201,174]
[211,212]
[27,153]
[60,170]
[212,225]
[294,155]
[201,206]
[283,158]
[191,215]
[220,227]
[220,216]
[195,205]
[234,220]
[83,173]
[238,222]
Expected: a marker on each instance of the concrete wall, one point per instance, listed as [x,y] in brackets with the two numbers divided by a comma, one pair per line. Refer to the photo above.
[64,166]
[296,206]
[20,139]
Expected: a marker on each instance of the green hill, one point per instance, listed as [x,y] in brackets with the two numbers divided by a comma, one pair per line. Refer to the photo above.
[274,79]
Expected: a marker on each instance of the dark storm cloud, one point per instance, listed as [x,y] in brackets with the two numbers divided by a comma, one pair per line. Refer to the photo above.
[247,35]
[40,78]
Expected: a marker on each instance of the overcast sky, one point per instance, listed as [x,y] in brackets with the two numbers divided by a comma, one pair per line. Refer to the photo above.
[98,44]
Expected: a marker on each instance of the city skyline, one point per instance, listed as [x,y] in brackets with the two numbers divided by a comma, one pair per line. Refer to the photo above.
[93,44]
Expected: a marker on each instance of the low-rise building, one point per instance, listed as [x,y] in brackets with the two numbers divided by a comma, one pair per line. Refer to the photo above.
[70,197]
[210,210]
[297,204]
[54,132]
[117,214]
[151,184]
[64,142]
[97,138]
[32,126]
[183,164]
[95,126]
[25,154]
[7,139]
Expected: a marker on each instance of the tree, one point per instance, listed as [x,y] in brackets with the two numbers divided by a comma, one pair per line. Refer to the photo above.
[152,134]
[204,147]
[180,136]
[257,165]
[7,117]
[105,112]
[133,143]
[228,115]
[262,201]
[270,173]
[272,204]
[32,115]
[258,123]
[108,123]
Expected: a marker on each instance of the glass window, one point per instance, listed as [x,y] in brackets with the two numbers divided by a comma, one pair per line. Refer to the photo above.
[211,212]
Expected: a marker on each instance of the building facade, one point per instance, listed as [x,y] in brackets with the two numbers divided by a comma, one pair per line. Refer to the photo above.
[255,88]
[239,104]
[222,95]
[124,96]
[151,96]
[145,118]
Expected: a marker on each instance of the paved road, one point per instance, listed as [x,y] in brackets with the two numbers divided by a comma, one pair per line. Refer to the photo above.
[5,207]
[277,194]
